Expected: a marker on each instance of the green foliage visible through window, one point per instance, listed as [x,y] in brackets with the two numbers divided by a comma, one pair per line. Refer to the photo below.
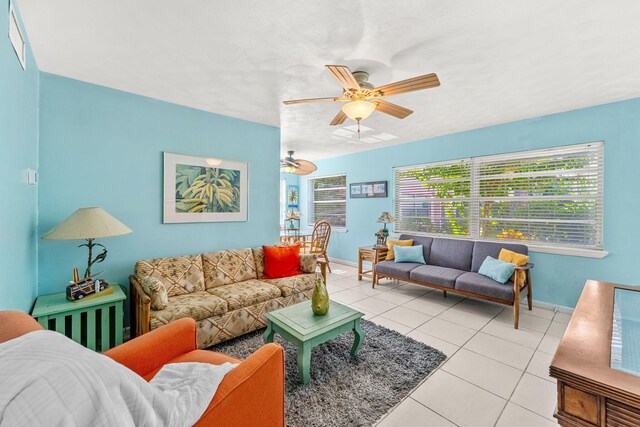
[550,197]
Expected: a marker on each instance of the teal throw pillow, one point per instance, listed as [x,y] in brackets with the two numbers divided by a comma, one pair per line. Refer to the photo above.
[498,270]
[409,254]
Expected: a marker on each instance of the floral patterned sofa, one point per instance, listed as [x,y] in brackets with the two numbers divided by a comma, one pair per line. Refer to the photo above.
[223,291]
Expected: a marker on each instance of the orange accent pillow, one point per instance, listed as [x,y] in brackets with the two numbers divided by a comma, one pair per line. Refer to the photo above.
[390,253]
[517,259]
[281,261]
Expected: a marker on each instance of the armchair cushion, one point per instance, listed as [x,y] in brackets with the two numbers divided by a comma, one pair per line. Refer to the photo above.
[247,293]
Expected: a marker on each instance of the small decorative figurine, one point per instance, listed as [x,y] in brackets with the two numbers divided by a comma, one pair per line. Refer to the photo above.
[86,288]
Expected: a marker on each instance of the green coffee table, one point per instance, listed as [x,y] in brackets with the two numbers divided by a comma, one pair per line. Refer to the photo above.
[298,325]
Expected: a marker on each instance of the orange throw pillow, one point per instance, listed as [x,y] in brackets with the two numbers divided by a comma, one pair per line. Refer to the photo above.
[517,259]
[281,261]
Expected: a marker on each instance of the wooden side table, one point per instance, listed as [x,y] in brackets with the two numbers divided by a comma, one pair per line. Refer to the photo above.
[372,254]
[96,323]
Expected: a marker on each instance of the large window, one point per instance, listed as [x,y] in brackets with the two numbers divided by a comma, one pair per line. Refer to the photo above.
[328,200]
[551,198]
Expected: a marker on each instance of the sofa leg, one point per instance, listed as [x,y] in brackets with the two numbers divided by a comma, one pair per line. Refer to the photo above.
[516,314]
[444,293]
[529,293]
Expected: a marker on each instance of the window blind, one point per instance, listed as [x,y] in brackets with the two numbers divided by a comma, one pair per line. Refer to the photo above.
[328,200]
[551,197]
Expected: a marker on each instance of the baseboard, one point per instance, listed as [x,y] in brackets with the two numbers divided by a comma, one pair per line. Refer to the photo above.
[344,262]
[539,304]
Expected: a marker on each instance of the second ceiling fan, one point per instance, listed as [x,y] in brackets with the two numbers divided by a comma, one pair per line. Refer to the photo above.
[362,98]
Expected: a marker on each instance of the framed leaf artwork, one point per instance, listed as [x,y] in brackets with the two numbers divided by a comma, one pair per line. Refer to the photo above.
[201,189]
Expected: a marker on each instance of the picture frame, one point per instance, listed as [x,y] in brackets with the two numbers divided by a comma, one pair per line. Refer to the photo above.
[201,189]
[367,190]
[293,196]
[16,37]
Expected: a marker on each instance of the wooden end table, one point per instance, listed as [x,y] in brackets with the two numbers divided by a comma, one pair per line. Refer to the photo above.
[100,319]
[372,254]
[298,325]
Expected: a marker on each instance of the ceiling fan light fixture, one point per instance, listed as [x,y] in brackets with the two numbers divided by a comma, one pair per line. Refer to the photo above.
[358,110]
[288,169]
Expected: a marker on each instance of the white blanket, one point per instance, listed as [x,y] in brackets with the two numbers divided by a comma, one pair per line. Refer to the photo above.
[47,379]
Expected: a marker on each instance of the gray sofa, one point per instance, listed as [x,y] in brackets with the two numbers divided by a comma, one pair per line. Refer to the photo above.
[452,266]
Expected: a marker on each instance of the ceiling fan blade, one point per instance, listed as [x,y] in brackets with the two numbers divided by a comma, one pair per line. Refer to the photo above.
[288,162]
[305,167]
[417,83]
[338,119]
[392,109]
[344,76]
[302,101]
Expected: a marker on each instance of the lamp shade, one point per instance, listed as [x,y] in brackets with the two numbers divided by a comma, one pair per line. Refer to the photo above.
[87,223]
[385,217]
[358,110]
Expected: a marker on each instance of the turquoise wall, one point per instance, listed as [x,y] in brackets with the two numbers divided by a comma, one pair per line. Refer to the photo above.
[18,151]
[557,279]
[102,147]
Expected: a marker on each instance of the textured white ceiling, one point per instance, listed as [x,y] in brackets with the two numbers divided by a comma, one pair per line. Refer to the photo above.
[498,61]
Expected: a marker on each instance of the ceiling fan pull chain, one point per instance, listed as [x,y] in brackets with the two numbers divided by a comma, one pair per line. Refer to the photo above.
[358,120]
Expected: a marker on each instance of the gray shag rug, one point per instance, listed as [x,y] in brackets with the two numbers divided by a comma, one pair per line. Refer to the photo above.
[346,390]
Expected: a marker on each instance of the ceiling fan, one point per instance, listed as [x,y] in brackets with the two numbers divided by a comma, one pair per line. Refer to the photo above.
[296,166]
[362,98]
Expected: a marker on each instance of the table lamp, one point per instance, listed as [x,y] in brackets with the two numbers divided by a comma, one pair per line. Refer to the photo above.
[88,224]
[384,218]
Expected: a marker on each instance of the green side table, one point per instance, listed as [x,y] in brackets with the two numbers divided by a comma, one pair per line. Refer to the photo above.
[96,323]
[301,327]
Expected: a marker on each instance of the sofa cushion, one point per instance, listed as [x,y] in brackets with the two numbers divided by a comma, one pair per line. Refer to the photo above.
[451,253]
[396,269]
[308,263]
[227,267]
[425,241]
[391,253]
[156,291]
[258,255]
[441,276]
[180,275]
[197,305]
[479,284]
[245,294]
[281,261]
[294,284]
[481,250]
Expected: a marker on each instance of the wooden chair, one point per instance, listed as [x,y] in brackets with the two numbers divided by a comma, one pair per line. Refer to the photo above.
[319,241]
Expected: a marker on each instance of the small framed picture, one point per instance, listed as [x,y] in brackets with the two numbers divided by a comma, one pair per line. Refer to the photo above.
[366,190]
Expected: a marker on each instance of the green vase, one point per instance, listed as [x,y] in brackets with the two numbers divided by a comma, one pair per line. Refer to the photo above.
[320,299]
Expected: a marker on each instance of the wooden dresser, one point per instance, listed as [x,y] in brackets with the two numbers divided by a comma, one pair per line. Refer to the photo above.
[590,392]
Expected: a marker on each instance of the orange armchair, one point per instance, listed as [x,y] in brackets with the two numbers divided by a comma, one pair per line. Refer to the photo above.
[251,394]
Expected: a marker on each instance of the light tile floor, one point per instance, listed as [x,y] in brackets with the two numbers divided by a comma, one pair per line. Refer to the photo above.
[494,375]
